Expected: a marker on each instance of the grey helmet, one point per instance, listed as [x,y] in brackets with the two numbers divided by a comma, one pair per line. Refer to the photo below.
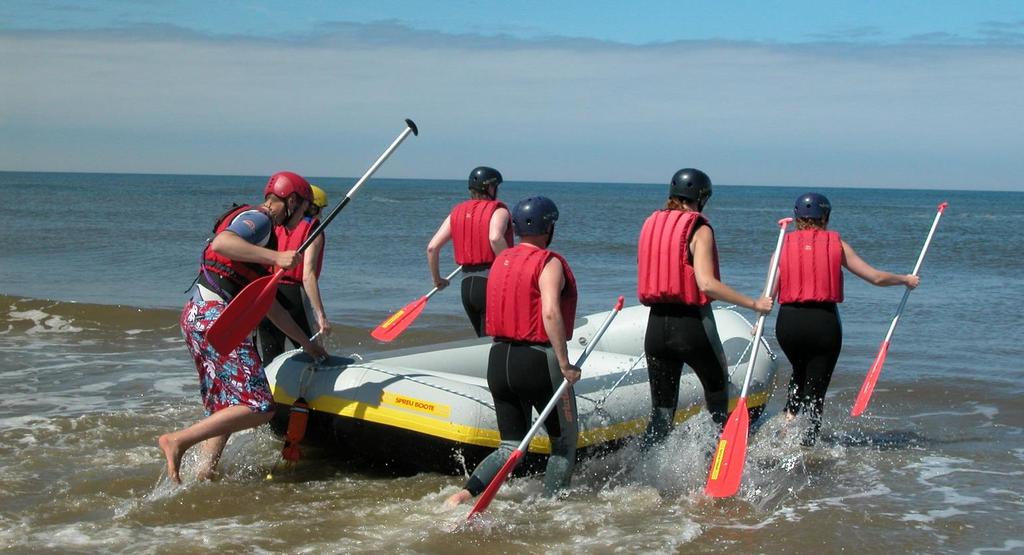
[691,184]
[534,216]
[812,205]
[483,177]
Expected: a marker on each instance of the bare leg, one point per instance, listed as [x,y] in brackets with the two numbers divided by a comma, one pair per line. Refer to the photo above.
[212,449]
[221,423]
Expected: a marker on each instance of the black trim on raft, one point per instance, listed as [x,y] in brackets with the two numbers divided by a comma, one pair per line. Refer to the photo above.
[401,452]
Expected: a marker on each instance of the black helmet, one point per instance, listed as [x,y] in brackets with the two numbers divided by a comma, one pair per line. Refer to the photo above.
[812,205]
[691,184]
[534,216]
[483,177]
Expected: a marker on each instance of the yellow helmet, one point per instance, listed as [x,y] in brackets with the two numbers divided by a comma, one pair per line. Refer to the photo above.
[319,196]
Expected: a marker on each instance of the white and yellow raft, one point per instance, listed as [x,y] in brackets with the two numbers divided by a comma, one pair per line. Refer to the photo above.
[428,408]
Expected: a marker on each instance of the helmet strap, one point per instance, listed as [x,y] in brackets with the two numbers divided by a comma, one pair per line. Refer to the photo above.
[551,236]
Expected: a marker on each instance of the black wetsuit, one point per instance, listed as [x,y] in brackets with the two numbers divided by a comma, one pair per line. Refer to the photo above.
[523,377]
[678,334]
[811,335]
[474,298]
[271,339]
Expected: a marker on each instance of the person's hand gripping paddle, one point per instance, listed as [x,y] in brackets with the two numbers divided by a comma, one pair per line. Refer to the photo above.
[248,308]
[513,460]
[876,368]
[390,329]
[727,463]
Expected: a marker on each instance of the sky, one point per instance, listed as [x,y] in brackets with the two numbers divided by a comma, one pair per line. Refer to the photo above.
[900,94]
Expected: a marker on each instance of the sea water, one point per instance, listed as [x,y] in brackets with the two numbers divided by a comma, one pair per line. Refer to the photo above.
[93,370]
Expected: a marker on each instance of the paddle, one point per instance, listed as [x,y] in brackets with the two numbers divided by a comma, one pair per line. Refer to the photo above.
[248,308]
[513,460]
[876,368]
[727,465]
[391,328]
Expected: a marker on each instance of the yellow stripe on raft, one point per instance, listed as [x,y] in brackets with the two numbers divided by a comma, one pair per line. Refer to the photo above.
[403,412]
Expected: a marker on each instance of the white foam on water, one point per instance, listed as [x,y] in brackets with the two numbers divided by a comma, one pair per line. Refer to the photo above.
[175,386]
[935,466]
[932,516]
[44,322]
[1009,546]
[988,411]
[32,422]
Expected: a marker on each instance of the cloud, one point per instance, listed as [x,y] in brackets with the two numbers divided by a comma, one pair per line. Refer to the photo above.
[1003,32]
[850,34]
[165,99]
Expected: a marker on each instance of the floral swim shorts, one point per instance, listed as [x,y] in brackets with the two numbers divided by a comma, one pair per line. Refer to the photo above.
[236,380]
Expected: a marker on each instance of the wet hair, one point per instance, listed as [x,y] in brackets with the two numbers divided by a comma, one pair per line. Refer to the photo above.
[679,203]
[811,223]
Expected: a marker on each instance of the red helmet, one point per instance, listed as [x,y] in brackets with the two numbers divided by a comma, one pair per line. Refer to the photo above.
[286,184]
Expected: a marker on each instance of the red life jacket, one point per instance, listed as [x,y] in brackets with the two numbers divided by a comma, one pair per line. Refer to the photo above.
[811,267]
[292,239]
[665,271]
[471,228]
[513,295]
[237,274]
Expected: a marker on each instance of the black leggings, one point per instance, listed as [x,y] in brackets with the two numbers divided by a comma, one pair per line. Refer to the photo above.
[681,334]
[811,335]
[271,339]
[523,378]
[474,300]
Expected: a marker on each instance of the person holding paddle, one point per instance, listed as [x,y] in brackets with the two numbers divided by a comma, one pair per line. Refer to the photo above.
[299,290]
[235,392]
[479,230]
[678,276]
[531,309]
[810,287]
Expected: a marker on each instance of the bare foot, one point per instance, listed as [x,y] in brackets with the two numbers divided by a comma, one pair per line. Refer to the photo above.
[173,453]
[462,496]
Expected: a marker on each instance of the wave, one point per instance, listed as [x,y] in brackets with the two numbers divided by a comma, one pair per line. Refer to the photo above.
[49,321]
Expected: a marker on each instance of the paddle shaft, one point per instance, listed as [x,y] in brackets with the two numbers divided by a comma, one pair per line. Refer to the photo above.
[513,460]
[868,387]
[769,286]
[917,268]
[245,311]
[727,463]
[454,273]
[565,383]
[410,127]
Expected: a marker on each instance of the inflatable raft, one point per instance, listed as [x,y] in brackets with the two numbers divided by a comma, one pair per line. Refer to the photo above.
[428,408]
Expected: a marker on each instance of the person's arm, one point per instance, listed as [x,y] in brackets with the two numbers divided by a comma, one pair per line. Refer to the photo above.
[702,245]
[312,285]
[229,244]
[496,233]
[441,236]
[866,272]
[551,283]
[284,322]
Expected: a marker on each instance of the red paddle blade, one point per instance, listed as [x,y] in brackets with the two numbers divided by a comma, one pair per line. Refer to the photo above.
[868,387]
[243,314]
[727,464]
[488,495]
[391,328]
